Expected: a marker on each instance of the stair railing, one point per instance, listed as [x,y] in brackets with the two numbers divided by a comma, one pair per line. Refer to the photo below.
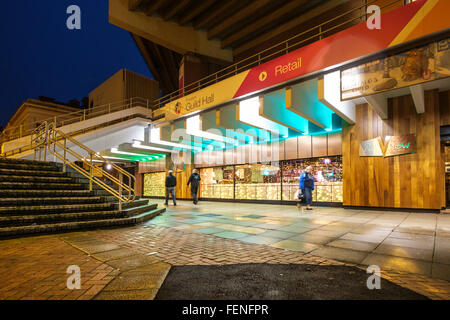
[55,142]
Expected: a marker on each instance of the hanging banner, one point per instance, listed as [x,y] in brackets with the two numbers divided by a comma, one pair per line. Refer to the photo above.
[420,65]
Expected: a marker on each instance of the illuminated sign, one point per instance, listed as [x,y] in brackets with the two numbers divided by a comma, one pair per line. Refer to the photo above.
[427,63]
[393,146]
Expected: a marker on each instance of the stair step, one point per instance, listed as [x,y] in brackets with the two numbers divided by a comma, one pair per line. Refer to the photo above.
[16,221]
[28,167]
[45,193]
[24,210]
[36,173]
[5,178]
[47,186]
[130,212]
[25,161]
[49,200]
[135,203]
[79,225]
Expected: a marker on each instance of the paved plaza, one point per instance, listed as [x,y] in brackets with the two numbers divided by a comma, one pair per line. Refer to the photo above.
[412,249]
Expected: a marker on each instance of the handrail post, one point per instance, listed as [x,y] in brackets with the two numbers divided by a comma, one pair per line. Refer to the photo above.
[65,154]
[45,141]
[120,190]
[90,172]
[20,131]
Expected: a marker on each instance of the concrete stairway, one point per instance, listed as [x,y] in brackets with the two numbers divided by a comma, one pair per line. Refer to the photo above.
[37,197]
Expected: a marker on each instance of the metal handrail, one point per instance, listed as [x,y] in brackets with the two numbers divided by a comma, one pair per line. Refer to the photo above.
[20,131]
[258,58]
[54,138]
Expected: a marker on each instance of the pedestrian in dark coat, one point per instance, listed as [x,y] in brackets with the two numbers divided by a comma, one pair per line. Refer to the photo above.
[194,181]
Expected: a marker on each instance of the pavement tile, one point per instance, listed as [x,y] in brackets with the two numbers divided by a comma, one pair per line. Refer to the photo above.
[259,239]
[316,239]
[209,230]
[146,294]
[278,234]
[419,243]
[406,252]
[231,234]
[295,245]
[132,262]
[398,263]
[114,254]
[353,245]
[341,254]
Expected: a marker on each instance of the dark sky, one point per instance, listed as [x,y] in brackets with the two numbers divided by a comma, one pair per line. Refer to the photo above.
[40,56]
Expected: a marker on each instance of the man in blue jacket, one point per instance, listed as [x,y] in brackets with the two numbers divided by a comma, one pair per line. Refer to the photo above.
[307,186]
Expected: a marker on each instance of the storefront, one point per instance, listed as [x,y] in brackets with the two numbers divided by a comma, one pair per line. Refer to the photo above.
[270,183]
[154,185]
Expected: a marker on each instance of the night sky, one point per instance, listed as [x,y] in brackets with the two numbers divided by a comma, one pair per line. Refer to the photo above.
[40,56]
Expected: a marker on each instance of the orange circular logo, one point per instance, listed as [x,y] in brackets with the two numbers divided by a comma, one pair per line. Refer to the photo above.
[262,76]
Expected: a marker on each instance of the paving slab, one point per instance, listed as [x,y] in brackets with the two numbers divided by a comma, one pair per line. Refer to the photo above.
[398,263]
[114,254]
[340,254]
[146,294]
[278,234]
[406,252]
[133,281]
[132,262]
[231,234]
[295,246]
[440,271]
[353,245]
[311,238]
[259,239]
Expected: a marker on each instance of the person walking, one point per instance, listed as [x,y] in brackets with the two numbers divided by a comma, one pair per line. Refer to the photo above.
[307,186]
[194,180]
[171,182]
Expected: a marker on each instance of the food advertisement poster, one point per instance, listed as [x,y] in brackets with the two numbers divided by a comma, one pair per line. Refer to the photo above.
[427,63]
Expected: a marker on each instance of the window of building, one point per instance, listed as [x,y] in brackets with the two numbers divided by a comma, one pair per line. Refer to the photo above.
[217,183]
[327,175]
[258,182]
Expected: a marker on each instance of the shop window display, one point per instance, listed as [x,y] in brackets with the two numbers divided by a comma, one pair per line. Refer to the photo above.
[154,184]
[258,182]
[327,175]
[217,183]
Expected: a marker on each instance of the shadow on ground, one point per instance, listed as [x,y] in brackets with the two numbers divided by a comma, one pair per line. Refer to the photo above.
[275,282]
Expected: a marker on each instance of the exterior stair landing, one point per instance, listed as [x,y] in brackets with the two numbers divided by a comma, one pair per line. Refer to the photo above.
[38,198]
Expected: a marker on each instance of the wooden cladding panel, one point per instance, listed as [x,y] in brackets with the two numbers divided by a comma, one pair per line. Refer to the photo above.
[304,147]
[291,145]
[281,154]
[334,144]
[319,146]
[444,107]
[406,181]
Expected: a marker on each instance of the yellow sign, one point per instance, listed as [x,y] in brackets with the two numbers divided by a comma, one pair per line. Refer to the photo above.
[205,98]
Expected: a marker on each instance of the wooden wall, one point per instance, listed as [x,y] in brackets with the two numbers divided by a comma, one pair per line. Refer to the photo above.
[406,181]
[444,106]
